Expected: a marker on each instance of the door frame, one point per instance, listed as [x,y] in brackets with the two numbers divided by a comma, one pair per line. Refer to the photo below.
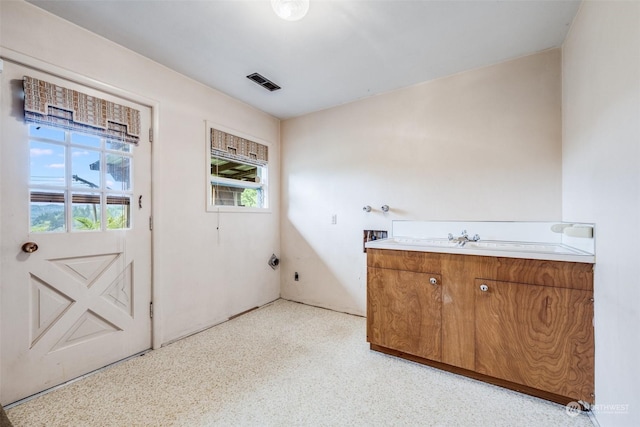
[56,71]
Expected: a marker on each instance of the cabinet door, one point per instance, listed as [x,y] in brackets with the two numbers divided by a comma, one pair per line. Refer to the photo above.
[404,311]
[539,336]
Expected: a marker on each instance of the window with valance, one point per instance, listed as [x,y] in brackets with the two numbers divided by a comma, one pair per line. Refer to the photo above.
[238,171]
[81,159]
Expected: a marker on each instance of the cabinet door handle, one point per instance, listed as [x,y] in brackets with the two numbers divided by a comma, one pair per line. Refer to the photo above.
[433,281]
[484,288]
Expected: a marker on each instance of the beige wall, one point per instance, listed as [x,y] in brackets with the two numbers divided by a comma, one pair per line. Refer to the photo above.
[201,276]
[601,184]
[480,145]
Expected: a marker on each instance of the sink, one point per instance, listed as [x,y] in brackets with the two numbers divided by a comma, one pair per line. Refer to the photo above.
[525,247]
[493,245]
[501,248]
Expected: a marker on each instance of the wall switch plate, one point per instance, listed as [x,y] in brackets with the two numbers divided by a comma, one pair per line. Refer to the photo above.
[334,219]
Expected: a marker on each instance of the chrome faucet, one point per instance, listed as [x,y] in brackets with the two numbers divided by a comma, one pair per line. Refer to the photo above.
[463,238]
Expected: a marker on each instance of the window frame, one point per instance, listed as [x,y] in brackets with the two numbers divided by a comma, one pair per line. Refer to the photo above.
[264,184]
[69,191]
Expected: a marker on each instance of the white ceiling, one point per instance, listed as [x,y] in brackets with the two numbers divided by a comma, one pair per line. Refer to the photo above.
[341,51]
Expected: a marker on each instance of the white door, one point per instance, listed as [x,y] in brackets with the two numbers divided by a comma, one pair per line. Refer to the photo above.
[81,300]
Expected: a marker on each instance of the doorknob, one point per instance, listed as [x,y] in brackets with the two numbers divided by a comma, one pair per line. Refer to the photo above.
[30,247]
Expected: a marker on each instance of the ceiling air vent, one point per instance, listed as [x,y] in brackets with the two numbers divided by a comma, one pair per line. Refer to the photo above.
[264,82]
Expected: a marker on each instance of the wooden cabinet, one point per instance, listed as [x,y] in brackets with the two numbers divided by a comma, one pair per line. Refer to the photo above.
[404,311]
[539,336]
[520,323]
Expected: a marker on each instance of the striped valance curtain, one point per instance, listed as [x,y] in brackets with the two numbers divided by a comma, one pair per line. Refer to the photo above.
[50,104]
[233,147]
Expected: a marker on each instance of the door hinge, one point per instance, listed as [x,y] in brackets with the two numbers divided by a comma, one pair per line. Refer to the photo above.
[150,134]
[151,223]
[151,309]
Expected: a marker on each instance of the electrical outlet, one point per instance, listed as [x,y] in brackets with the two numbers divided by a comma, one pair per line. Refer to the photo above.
[296,277]
[334,219]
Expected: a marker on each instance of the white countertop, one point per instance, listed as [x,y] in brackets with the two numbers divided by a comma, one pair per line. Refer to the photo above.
[495,248]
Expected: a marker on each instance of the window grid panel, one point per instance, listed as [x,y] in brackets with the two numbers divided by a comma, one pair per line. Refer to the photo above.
[78,197]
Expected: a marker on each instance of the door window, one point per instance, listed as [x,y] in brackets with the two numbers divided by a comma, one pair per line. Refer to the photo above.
[78,182]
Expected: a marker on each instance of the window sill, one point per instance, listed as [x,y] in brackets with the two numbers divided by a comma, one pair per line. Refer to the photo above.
[237,209]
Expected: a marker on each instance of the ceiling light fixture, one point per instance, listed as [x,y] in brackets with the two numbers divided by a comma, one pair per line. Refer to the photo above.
[290,10]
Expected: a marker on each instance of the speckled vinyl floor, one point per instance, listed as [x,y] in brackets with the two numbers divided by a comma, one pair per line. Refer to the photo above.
[285,364]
